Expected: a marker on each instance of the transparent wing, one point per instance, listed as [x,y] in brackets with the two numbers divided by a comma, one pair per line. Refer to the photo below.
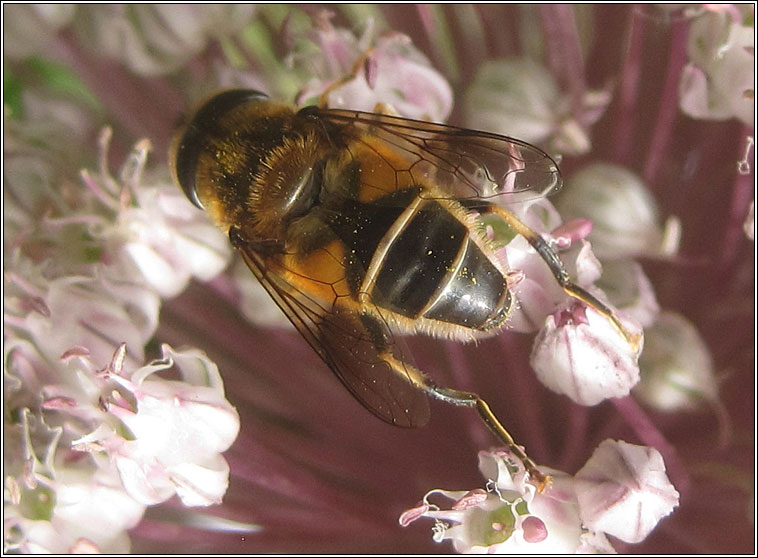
[347,342]
[464,164]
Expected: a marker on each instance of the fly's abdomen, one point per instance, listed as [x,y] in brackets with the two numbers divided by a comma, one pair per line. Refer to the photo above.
[474,295]
[428,266]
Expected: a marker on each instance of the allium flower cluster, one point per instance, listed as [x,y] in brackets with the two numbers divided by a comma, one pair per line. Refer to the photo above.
[95,446]
[94,436]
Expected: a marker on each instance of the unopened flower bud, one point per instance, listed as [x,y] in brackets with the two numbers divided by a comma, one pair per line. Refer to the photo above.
[521,99]
[630,290]
[676,366]
[623,212]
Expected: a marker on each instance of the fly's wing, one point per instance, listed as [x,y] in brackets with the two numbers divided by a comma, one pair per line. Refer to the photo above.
[355,347]
[460,163]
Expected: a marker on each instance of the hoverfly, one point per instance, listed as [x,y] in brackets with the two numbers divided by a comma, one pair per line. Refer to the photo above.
[362,226]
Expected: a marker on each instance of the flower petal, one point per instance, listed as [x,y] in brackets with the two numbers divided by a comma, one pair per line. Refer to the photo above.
[581,354]
[623,490]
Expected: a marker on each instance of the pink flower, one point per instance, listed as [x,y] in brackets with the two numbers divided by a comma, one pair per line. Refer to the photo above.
[394,72]
[718,81]
[570,516]
[176,432]
[581,354]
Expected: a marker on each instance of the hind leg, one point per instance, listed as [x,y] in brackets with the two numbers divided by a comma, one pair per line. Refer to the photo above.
[558,271]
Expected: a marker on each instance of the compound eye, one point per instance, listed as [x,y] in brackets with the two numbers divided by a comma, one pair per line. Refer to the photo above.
[191,140]
[187,182]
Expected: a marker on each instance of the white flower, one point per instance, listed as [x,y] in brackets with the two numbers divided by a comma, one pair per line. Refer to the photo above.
[510,516]
[56,504]
[159,239]
[572,515]
[120,245]
[718,82]
[94,507]
[82,462]
[581,354]
[176,431]
[168,243]
[623,490]
[89,312]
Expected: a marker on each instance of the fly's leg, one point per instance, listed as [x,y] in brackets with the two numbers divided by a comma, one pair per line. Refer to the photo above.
[323,99]
[559,272]
[468,399]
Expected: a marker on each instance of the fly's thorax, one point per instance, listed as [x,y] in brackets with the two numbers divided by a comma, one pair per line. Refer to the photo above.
[246,161]
[287,184]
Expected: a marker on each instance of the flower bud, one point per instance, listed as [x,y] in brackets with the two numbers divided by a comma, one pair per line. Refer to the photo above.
[622,210]
[630,290]
[519,98]
[623,490]
[579,353]
[676,366]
